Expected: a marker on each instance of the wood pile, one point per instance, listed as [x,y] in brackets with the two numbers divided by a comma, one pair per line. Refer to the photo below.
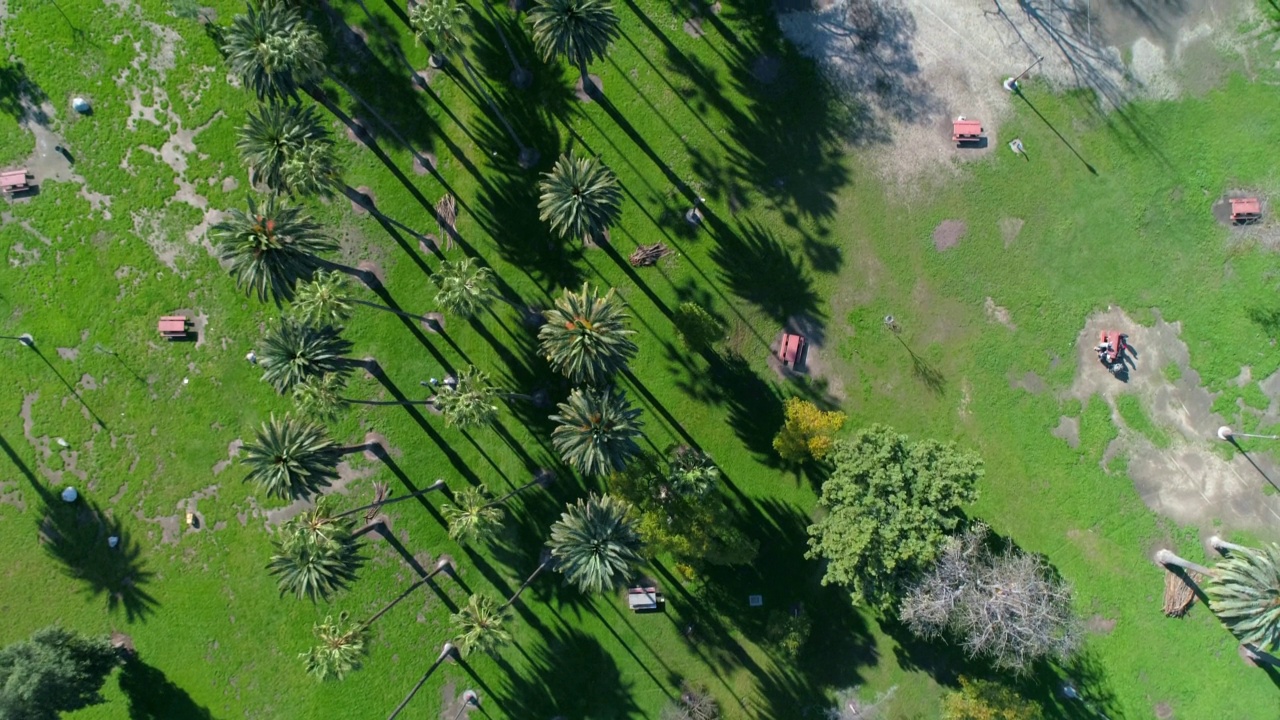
[447,216]
[1178,594]
[646,255]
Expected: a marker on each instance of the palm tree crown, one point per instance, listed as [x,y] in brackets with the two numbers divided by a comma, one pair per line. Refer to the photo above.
[596,431]
[293,352]
[315,554]
[580,30]
[340,649]
[320,395]
[471,515]
[269,249]
[586,337]
[1245,594]
[442,24]
[595,543]
[580,197]
[291,457]
[466,287]
[273,50]
[323,300]
[469,402]
[289,149]
[479,626]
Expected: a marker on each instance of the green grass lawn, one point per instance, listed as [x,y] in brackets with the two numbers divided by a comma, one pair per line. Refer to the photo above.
[795,226]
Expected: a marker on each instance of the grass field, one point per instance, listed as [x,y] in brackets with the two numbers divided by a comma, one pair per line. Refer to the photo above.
[796,227]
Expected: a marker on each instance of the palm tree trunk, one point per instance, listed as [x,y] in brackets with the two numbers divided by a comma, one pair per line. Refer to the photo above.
[408,591]
[401,403]
[519,75]
[513,493]
[1165,557]
[1223,546]
[445,652]
[437,485]
[588,87]
[401,313]
[528,581]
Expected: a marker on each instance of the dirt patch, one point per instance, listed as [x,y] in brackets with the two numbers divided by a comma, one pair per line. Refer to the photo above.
[998,313]
[1068,430]
[68,353]
[948,234]
[233,450]
[1030,382]
[581,93]
[1009,229]
[11,494]
[1188,480]
[1100,625]
[1163,711]
[912,66]
[363,201]
[693,27]
[421,168]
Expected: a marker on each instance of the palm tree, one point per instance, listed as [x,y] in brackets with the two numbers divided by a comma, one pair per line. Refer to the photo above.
[479,626]
[579,30]
[586,337]
[323,300]
[465,287]
[596,431]
[321,396]
[443,24]
[273,50]
[471,515]
[269,249]
[1245,594]
[447,650]
[340,649]
[595,543]
[580,197]
[293,352]
[315,554]
[350,639]
[469,401]
[291,457]
[289,149]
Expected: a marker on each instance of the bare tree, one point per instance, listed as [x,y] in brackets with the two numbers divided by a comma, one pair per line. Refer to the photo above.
[1008,606]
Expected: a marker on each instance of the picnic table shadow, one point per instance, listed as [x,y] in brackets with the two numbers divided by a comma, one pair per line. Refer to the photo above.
[75,535]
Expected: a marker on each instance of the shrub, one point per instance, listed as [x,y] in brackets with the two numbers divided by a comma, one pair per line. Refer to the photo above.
[985,700]
[807,431]
[697,328]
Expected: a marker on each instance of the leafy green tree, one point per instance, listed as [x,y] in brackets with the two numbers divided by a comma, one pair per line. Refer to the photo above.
[577,30]
[580,197]
[697,328]
[465,287]
[890,505]
[315,554]
[681,509]
[1244,592]
[289,149]
[595,543]
[291,457]
[478,626]
[273,51]
[292,353]
[586,337]
[469,402]
[986,700]
[56,671]
[269,249]
[807,431]
[472,515]
[340,650]
[596,431]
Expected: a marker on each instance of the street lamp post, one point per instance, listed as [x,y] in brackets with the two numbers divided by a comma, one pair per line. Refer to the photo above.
[24,338]
[1226,434]
[1012,83]
[469,700]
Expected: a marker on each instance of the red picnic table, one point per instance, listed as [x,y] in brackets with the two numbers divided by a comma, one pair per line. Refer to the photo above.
[172,326]
[790,347]
[13,181]
[1245,210]
[964,130]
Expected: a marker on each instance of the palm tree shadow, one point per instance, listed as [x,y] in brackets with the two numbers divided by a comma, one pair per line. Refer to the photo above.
[571,675]
[76,535]
[152,696]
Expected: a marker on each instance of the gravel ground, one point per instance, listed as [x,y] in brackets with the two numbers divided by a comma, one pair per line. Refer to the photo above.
[913,65]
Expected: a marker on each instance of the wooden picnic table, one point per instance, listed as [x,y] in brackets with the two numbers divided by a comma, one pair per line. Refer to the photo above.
[790,347]
[964,130]
[1245,209]
[12,181]
[644,598]
[172,326]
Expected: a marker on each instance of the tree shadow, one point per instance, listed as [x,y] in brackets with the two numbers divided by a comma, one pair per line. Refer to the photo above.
[76,535]
[20,96]
[571,675]
[152,696]
[758,268]
[754,407]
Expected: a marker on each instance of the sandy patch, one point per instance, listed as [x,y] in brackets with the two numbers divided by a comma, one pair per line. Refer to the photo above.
[1100,625]
[948,234]
[1189,481]
[1009,229]
[998,313]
